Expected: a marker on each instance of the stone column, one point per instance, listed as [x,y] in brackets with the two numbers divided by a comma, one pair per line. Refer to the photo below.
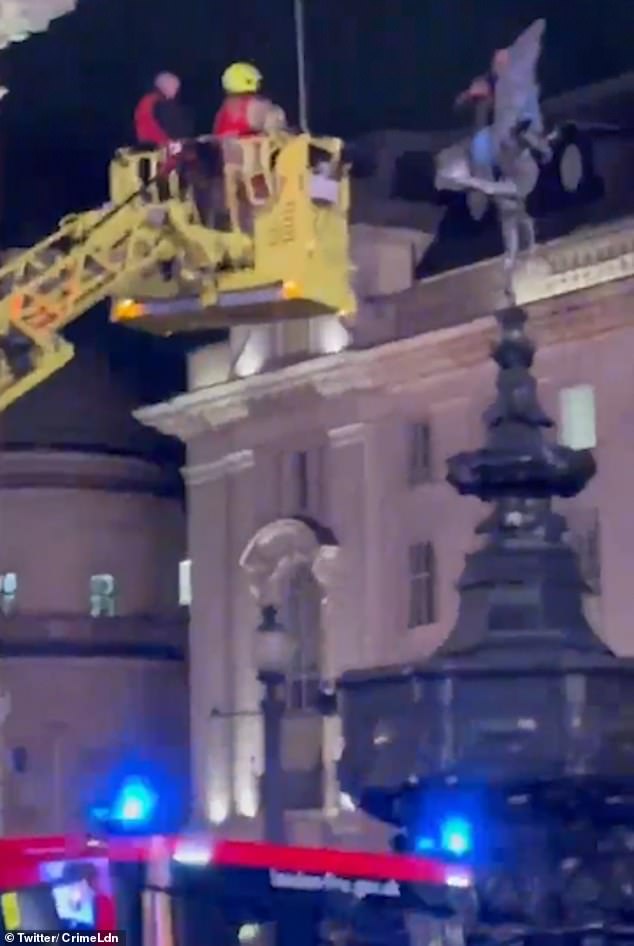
[245,617]
[211,656]
[351,602]
[348,518]
[328,571]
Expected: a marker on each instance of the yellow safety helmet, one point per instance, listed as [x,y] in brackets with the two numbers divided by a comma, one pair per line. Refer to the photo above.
[241,77]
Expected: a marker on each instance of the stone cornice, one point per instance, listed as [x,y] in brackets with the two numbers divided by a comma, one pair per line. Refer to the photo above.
[594,259]
[187,417]
[348,434]
[229,465]
[70,470]
[368,370]
[580,261]
[100,484]
[574,288]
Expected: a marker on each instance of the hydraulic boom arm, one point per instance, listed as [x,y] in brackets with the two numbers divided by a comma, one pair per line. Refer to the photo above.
[45,288]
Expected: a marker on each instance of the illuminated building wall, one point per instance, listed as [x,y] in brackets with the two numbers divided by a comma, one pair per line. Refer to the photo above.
[355,443]
[93,639]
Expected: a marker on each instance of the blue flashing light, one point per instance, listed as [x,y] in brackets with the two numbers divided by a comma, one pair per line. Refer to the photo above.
[99,813]
[135,803]
[424,844]
[456,836]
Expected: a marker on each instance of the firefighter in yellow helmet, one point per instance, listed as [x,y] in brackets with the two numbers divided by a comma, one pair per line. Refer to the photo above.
[245,111]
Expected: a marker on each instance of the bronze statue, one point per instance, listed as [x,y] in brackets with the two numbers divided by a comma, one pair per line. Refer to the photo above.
[501,158]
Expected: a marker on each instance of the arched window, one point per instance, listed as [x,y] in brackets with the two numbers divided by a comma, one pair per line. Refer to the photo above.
[302,618]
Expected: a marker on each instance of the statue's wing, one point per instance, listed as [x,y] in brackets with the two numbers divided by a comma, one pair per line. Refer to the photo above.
[517,90]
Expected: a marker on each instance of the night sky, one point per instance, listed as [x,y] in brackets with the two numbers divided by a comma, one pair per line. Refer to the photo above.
[372,64]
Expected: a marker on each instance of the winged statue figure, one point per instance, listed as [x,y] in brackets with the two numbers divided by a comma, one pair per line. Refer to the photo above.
[501,157]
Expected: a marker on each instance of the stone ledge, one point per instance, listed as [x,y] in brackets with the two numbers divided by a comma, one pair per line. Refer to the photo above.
[577,294]
[582,260]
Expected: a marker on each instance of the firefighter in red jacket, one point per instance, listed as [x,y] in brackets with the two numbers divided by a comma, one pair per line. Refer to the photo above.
[159,118]
[245,111]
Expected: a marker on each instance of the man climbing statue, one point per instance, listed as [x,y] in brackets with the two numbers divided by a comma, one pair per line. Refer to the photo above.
[500,158]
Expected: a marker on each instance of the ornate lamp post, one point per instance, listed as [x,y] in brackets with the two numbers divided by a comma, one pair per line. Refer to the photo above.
[273,654]
[516,740]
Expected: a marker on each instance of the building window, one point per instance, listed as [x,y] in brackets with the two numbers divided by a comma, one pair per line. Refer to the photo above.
[301,480]
[8,592]
[19,760]
[422,582]
[303,620]
[578,424]
[419,454]
[185,582]
[102,596]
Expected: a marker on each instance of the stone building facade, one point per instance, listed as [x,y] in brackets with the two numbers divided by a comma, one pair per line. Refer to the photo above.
[318,485]
[92,636]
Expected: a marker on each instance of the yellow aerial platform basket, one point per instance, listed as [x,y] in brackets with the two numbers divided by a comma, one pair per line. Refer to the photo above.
[282,254]
[271,246]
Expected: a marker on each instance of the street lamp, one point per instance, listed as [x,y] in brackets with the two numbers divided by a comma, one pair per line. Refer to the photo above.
[274,649]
